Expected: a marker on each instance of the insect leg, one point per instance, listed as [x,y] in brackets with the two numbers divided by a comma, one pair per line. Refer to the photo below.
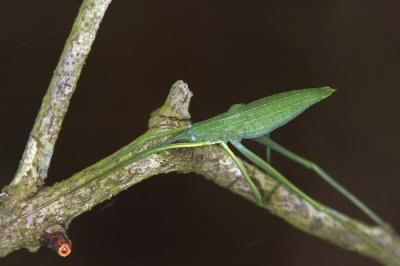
[164,148]
[274,173]
[257,194]
[318,206]
[143,139]
[268,152]
[325,176]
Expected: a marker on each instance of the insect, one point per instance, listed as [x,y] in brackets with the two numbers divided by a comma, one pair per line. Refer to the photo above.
[245,121]
[255,121]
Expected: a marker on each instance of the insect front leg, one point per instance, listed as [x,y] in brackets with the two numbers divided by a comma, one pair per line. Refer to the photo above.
[133,146]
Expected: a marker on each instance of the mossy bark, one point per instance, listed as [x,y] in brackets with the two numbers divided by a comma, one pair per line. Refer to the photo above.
[28,210]
[35,162]
[23,225]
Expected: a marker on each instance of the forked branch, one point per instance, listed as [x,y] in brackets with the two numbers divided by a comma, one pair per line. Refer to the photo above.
[60,204]
[30,213]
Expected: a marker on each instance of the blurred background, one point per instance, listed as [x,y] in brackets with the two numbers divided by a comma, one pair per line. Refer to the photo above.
[228,52]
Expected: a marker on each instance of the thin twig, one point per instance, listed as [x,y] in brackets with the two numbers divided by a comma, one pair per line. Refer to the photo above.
[35,162]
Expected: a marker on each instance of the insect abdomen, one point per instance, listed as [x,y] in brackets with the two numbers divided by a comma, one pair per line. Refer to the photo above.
[265,115]
[257,118]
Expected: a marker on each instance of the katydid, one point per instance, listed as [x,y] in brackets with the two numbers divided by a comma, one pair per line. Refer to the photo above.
[254,121]
[245,121]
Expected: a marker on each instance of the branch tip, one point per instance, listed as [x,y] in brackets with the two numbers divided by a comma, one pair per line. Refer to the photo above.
[57,240]
[175,111]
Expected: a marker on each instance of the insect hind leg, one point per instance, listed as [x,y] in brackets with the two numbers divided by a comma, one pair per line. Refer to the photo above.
[268,142]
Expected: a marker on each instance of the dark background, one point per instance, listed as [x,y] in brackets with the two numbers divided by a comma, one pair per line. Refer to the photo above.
[228,52]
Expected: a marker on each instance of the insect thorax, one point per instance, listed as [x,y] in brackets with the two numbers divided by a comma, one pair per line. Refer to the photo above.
[211,131]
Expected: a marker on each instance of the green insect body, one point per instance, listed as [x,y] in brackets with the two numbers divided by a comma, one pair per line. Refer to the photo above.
[255,121]
[247,121]
[258,118]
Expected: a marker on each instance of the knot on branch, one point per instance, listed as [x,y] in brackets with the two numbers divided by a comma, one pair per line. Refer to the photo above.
[175,111]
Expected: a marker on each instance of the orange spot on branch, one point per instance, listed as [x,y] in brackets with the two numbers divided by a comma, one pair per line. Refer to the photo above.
[64,250]
[59,242]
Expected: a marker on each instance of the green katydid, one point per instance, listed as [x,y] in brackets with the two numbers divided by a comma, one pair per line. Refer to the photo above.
[255,121]
[246,121]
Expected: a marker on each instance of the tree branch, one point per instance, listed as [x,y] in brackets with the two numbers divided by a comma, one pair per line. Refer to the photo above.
[24,227]
[35,162]
[25,221]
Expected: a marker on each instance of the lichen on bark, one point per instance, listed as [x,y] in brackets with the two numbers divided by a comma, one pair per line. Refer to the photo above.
[22,226]
[36,159]
[29,210]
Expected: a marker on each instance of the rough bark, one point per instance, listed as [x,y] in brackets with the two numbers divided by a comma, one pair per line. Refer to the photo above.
[39,149]
[23,225]
[29,211]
